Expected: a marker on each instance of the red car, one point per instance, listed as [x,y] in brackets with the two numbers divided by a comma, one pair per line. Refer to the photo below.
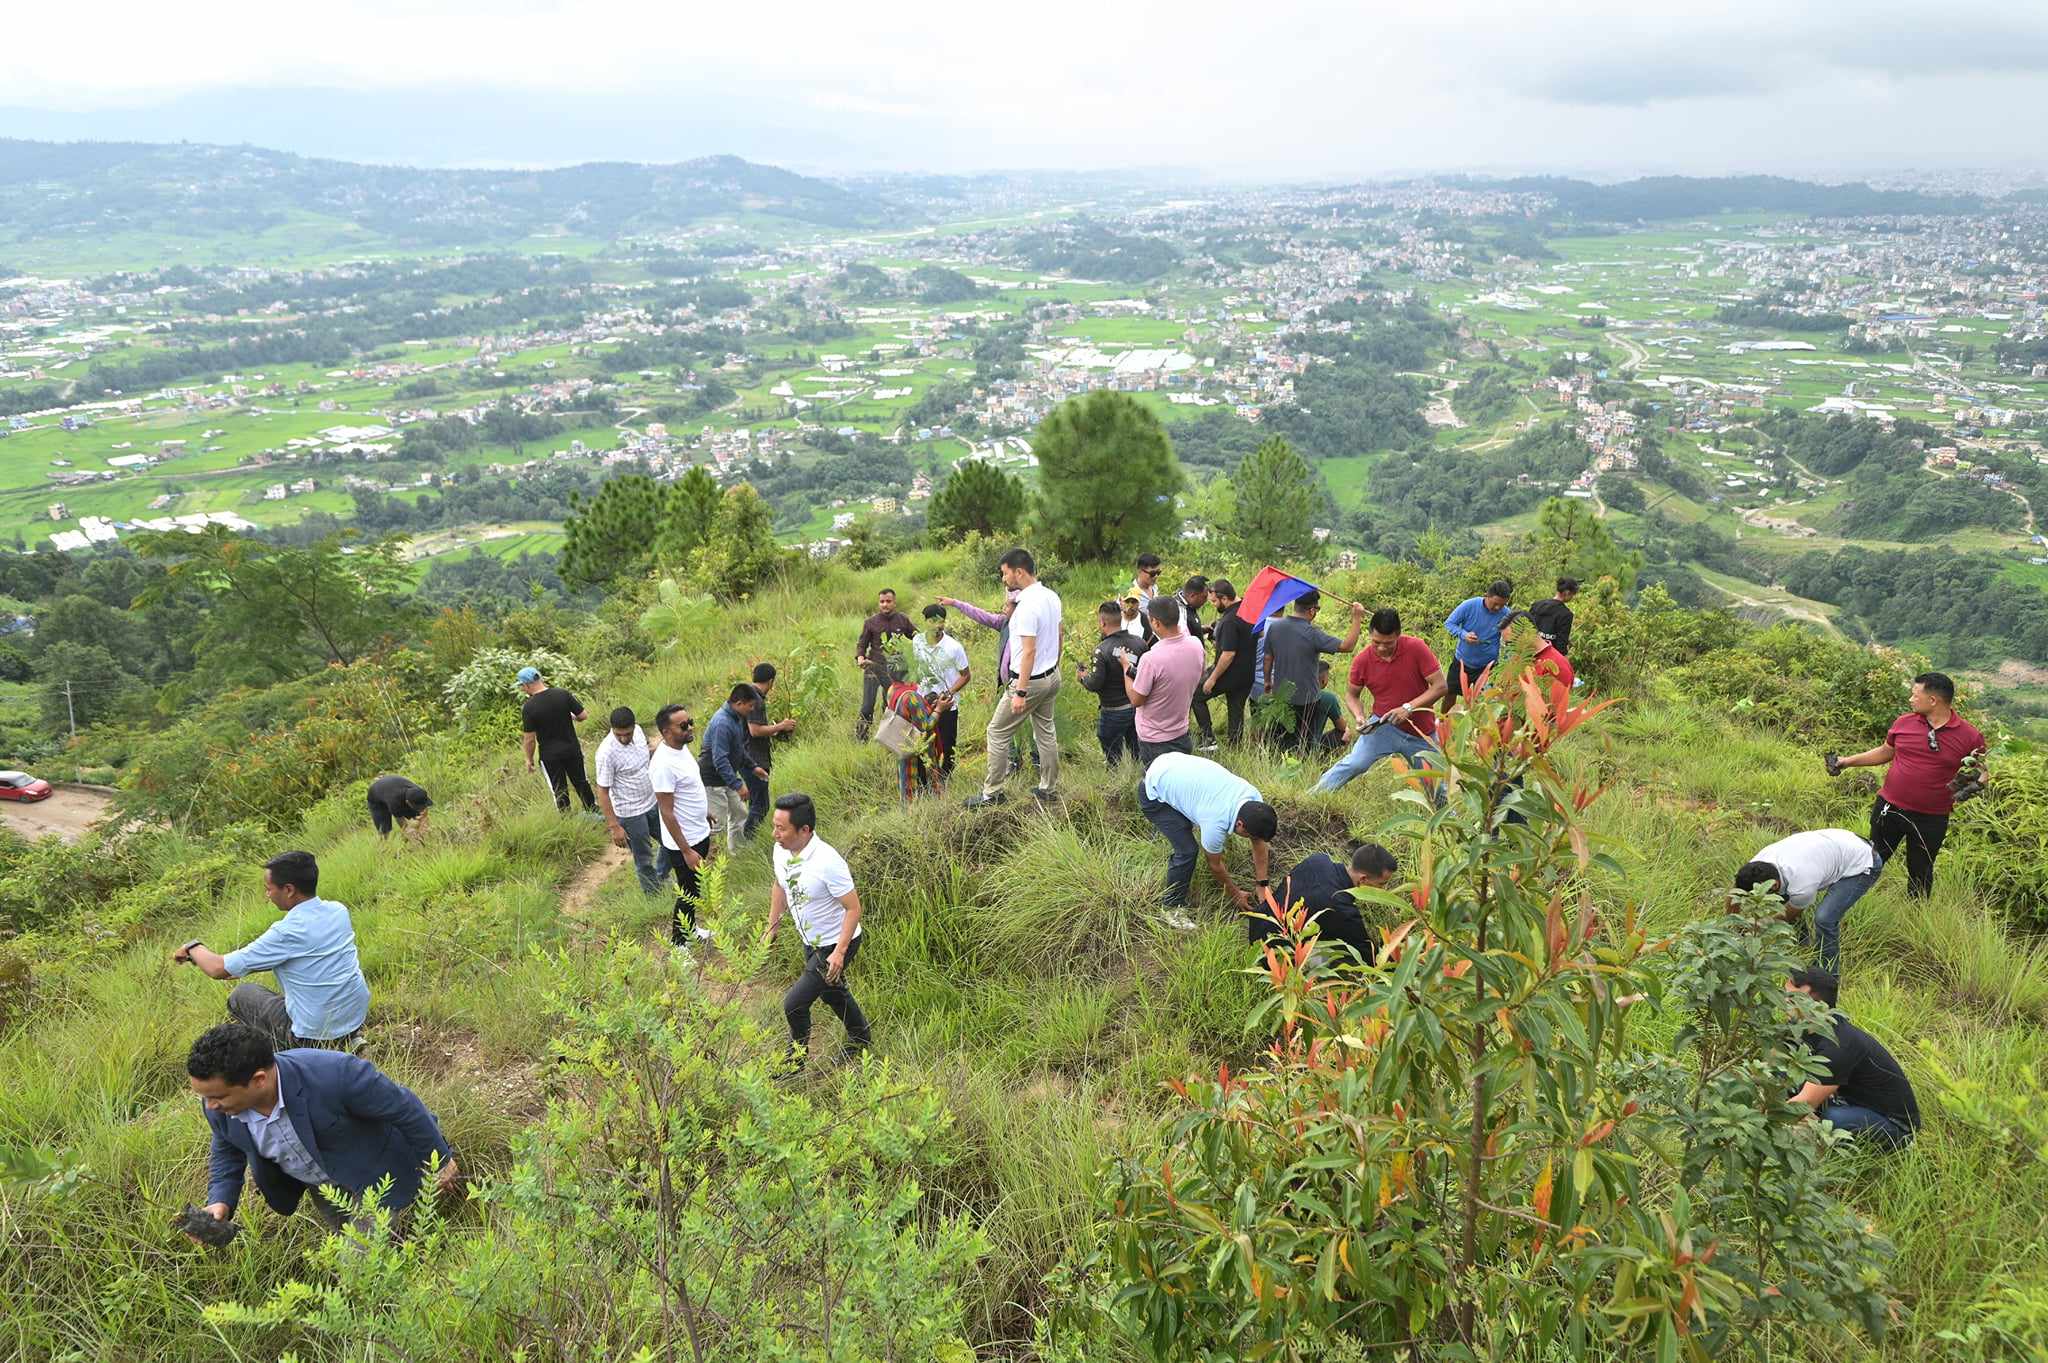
[19,785]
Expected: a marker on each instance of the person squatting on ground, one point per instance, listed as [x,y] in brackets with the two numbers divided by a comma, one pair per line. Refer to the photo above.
[625,795]
[312,951]
[1196,804]
[299,1120]
[1323,887]
[1405,681]
[549,717]
[1106,674]
[1862,1090]
[685,817]
[814,886]
[1035,656]
[875,632]
[1926,751]
[396,800]
[1827,870]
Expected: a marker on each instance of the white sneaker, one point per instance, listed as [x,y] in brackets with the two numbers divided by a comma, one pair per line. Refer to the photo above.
[1173,918]
[703,934]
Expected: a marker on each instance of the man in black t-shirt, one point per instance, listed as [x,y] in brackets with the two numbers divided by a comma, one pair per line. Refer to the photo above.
[1106,674]
[1553,618]
[1324,887]
[1863,1091]
[393,799]
[761,735]
[549,717]
[1236,650]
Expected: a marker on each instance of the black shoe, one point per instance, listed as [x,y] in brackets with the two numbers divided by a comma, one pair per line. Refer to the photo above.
[1044,797]
[984,801]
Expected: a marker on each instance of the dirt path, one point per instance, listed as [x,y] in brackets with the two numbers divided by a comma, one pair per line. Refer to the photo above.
[583,889]
[66,814]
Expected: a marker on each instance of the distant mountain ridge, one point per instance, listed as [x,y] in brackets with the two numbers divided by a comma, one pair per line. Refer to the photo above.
[54,189]
[1685,196]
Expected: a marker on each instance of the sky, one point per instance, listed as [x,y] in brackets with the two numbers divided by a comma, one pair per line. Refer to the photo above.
[1272,90]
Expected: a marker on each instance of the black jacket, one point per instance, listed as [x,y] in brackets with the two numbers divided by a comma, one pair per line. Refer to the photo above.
[1105,676]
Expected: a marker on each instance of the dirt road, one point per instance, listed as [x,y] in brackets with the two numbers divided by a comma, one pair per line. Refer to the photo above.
[67,813]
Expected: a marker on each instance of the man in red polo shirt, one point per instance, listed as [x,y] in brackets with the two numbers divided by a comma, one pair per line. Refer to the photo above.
[1404,680]
[1925,751]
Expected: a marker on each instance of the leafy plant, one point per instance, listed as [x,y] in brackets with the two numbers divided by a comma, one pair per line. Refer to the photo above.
[676,616]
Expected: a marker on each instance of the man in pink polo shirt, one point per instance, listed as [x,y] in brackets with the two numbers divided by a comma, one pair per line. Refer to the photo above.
[1164,681]
[1924,751]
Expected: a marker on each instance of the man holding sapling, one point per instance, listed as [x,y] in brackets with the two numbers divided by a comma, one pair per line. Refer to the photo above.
[311,950]
[1827,870]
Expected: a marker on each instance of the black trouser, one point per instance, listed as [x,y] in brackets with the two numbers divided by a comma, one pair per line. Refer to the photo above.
[758,804]
[812,986]
[947,731]
[1461,679]
[564,768]
[1234,703]
[873,682]
[380,817]
[1116,729]
[1921,833]
[1148,751]
[1198,708]
[686,892]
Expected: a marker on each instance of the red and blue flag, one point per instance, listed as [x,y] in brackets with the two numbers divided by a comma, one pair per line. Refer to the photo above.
[1269,594]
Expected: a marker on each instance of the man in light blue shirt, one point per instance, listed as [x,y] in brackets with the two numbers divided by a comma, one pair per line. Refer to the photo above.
[1197,803]
[1476,626]
[312,951]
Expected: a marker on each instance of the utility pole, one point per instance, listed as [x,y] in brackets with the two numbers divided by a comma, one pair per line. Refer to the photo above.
[71,713]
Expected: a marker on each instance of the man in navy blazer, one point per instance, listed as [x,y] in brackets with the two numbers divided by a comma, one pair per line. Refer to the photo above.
[303,1119]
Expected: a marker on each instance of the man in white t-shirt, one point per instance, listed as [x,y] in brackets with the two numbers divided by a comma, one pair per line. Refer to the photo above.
[814,886]
[1830,865]
[685,815]
[942,670]
[1035,658]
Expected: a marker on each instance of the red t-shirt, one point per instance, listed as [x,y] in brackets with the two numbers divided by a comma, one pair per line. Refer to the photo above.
[1395,681]
[1917,779]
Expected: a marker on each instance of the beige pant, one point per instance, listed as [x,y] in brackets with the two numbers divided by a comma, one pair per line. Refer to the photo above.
[728,810]
[1007,719]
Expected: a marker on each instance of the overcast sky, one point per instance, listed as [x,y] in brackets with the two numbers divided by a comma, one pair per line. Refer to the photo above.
[1268,88]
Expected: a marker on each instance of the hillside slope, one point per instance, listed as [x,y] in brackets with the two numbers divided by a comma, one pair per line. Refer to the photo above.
[1017,968]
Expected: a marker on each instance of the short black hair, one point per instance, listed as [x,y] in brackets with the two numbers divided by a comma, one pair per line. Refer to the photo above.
[1018,558]
[1260,820]
[623,718]
[1386,620]
[935,611]
[1501,588]
[1567,584]
[1222,587]
[1163,609]
[231,1052]
[886,591]
[661,716]
[1308,601]
[418,801]
[1148,560]
[1371,859]
[764,672]
[296,869]
[1938,684]
[1109,608]
[1823,983]
[1197,583]
[1759,873]
[742,693]
[1513,618]
[1322,666]
[802,810]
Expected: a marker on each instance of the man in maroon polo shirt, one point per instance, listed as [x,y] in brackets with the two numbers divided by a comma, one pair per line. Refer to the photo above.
[1925,751]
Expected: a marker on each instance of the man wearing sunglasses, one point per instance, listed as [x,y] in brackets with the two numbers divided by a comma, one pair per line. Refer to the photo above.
[1925,751]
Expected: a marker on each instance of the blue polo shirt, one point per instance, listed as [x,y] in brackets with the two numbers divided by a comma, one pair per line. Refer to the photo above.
[312,950]
[1207,794]
[1473,617]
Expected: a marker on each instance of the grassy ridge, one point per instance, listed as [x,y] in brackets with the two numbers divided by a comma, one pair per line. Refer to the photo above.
[1016,960]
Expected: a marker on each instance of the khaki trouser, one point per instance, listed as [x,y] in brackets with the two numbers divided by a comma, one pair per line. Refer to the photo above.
[728,811]
[1038,702]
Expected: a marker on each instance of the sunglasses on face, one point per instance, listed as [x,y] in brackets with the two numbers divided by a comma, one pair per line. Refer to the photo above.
[1933,741]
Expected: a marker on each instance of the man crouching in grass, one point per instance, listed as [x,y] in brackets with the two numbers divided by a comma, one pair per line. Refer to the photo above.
[303,1120]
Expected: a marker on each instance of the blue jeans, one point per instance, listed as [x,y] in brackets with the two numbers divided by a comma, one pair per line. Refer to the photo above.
[650,858]
[1384,740]
[1832,907]
[1866,1124]
[1117,731]
[1179,832]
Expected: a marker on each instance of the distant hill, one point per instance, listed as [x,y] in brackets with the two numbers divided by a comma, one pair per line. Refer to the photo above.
[1680,196]
[80,189]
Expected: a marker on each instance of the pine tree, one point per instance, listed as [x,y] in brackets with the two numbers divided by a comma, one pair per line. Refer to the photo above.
[741,552]
[613,533]
[1276,504]
[1107,478]
[1579,543]
[978,497]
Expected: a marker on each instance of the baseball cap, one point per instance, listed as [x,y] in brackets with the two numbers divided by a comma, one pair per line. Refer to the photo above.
[527,674]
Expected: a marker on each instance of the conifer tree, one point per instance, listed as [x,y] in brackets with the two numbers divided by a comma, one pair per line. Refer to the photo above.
[1107,478]
[978,497]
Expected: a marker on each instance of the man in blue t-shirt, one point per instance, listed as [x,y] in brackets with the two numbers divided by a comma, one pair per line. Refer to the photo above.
[1194,802]
[1475,626]
[312,950]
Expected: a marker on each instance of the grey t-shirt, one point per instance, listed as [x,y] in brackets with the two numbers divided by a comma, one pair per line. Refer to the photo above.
[1296,645]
